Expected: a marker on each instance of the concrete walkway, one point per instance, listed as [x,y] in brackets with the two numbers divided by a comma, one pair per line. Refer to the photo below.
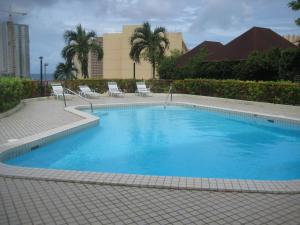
[27,201]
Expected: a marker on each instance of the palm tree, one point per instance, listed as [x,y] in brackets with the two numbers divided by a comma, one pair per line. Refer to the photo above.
[295,5]
[151,45]
[65,71]
[79,44]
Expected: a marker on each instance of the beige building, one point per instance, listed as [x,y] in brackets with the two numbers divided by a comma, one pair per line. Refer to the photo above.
[293,38]
[116,63]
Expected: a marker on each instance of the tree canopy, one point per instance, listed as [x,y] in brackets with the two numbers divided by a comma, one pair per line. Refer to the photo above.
[148,44]
[295,5]
[79,44]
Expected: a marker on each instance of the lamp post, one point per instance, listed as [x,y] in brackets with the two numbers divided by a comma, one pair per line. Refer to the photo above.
[134,70]
[41,69]
[45,69]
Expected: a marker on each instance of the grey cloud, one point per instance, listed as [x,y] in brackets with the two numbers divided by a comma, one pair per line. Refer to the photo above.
[137,9]
[198,19]
[25,4]
[224,15]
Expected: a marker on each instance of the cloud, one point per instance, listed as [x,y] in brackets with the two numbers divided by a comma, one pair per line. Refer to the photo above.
[199,20]
[222,15]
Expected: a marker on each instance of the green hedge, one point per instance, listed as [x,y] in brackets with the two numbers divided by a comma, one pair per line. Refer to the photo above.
[12,90]
[283,92]
[129,85]
[31,89]
[262,91]
[11,93]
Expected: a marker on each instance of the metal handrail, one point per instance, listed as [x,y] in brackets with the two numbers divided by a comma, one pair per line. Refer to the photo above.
[170,93]
[83,98]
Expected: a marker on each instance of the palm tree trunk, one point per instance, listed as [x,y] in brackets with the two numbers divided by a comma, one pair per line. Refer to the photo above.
[84,69]
[153,68]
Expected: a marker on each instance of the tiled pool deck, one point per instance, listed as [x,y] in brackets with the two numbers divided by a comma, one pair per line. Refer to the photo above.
[33,124]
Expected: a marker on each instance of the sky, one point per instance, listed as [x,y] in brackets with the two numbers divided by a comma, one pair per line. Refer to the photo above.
[198,20]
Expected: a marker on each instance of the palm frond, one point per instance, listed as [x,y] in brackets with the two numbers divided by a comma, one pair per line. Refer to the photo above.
[147,44]
[69,52]
[159,30]
[136,50]
[295,5]
[91,35]
[79,44]
[70,36]
[65,71]
[96,48]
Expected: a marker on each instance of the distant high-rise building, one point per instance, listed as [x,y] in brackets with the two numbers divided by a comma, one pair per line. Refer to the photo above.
[14,49]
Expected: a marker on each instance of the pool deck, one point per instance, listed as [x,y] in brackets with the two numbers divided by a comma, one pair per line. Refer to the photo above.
[124,198]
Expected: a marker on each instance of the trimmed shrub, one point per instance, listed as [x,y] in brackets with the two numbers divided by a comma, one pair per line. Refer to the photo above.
[32,88]
[262,91]
[100,85]
[11,92]
[128,85]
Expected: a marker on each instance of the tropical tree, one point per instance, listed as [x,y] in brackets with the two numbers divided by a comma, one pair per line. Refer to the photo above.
[167,68]
[79,44]
[65,71]
[148,44]
[295,5]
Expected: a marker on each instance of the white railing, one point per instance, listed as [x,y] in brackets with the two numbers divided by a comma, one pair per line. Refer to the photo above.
[83,98]
[170,94]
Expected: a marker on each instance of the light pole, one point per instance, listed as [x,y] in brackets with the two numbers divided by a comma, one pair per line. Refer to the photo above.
[41,68]
[45,69]
[134,70]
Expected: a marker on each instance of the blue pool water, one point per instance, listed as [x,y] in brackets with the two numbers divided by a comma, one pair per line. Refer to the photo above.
[178,141]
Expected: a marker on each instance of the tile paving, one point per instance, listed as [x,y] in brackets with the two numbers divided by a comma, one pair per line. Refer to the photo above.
[33,118]
[25,201]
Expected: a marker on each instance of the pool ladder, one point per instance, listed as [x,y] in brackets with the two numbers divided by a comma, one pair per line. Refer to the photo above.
[169,95]
[83,98]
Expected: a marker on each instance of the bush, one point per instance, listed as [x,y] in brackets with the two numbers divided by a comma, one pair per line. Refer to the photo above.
[128,85]
[217,70]
[167,66]
[260,66]
[262,91]
[11,93]
[100,85]
[289,64]
[12,90]
[276,64]
[32,88]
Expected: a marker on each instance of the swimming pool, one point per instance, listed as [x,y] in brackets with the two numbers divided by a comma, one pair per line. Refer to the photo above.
[176,141]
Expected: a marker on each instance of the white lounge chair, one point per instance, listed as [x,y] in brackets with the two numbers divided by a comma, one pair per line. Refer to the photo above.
[113,89]
[59,92]
[142,89]
[85,91]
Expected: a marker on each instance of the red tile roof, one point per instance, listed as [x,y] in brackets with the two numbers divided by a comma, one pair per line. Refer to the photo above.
[211,47]
[255,39]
